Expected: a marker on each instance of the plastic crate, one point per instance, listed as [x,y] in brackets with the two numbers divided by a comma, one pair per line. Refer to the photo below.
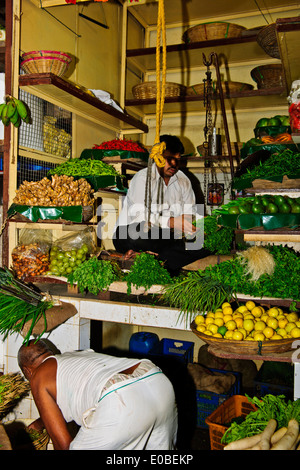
[207,402]
[181,350]
[219,420]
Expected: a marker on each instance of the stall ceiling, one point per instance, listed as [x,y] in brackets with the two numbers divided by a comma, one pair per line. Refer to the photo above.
[192,10]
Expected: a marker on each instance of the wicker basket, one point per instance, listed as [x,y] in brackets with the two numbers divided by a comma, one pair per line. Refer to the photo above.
[14,388]
[246,347]
[148,90]
[268,76]
[267,40]
[227,87]
[54,65]
[210,31]
[56,54]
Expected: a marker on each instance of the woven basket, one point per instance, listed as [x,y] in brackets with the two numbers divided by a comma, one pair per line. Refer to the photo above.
[267,40]
[14,388]
[246,347]
[227,87]
[56,54]
[268,76]
[210,31]
[40,440]
[148,90]
[54,65]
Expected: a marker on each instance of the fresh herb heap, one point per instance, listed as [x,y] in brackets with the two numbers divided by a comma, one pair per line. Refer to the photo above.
[281,163]
[20,303]
[83,168]
[147,271]
[95,275]
[268,407]
[217,239]
[196,292]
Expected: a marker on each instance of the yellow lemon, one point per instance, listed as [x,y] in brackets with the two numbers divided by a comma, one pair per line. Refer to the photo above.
[227,311]
[219,321]
[225,304]
[273,312]
[280,311]
[282,322]
[217,335]
[237,315]
[209,320]
[237,335]
[264,317]
[239,322]
[276,337]
[249,338]
[228,334]
[268,332]
[201,328]
[272,322]
[243,331]
[213,328]
[289,327]
[199,319]
[298,323]
[282,332]
[242,308]
[295,332]
[219,314]
[210,315]
[250,304]
[207,332]
[249,316]
[292,317]
[230,325]
[259,325]
[218,310]
[248,324]
[257,311]
[259,336]
[227,318]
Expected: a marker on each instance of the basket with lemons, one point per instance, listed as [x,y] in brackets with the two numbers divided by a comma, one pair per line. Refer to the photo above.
[248,322]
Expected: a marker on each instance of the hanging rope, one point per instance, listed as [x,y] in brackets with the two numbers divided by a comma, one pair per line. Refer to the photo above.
[156,154]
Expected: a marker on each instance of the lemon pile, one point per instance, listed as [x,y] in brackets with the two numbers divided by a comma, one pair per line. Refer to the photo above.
[249,322]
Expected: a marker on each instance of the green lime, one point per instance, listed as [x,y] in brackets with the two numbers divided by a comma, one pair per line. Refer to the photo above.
[295,208]
[245,209]
[289,200]
[258,208]
[265,200]
[234,210]
[222,330]
[263,122]
[284,208]
[274,121]
[279,199]
[271,208]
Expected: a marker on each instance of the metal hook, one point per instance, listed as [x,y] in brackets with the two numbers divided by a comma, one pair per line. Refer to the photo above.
[206,62]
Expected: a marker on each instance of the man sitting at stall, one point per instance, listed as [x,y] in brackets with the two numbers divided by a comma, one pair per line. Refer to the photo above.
[119,403]
[158,212]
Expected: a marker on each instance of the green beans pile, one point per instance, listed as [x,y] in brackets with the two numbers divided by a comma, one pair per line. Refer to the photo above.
[82,168]
[95,275]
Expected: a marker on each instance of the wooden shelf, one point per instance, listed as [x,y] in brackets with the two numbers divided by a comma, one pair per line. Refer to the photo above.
[283,235]
[55,89]
[242,100]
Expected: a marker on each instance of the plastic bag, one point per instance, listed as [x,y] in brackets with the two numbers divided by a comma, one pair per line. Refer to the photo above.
[31,257]
[74,241]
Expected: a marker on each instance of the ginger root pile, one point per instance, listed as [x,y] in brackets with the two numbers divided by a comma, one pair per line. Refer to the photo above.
[59,191]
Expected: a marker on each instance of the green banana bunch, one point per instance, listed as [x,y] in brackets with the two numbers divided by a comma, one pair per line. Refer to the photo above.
[14,111]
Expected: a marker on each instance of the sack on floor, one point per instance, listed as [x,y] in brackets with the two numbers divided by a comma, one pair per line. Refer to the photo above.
[210,381]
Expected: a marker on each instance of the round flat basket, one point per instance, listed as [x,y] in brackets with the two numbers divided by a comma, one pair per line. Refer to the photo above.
[210,31]
[56,54]
[53,65]
[246,347]
[148,90]
[267,40]
[268,76]
[227,87]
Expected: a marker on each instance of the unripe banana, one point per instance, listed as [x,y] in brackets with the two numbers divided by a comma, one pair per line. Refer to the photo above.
[18,121]
[2,106]
[22,108]
[15,118]
[11,108]
[4,117]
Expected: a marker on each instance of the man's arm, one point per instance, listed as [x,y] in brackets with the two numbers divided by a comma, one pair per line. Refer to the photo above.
[43,387]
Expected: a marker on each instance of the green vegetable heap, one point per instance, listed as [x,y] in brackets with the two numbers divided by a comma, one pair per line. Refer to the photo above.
[83,168]
[147,271]
[95,275]
[268,407]
[217,239]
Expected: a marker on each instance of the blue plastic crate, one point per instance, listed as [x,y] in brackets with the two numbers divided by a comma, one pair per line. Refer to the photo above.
[275,379]
[207,402]
[181,350]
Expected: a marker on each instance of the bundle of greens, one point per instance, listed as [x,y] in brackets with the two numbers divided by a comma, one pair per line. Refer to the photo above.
[217,239]
[268,407]
[147,271]
[20,303]
[95,275]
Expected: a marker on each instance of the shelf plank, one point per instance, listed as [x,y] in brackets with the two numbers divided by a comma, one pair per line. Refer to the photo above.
[242,100]
[55,89]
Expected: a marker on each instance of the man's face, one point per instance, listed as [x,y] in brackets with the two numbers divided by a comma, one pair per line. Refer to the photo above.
[172,164]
